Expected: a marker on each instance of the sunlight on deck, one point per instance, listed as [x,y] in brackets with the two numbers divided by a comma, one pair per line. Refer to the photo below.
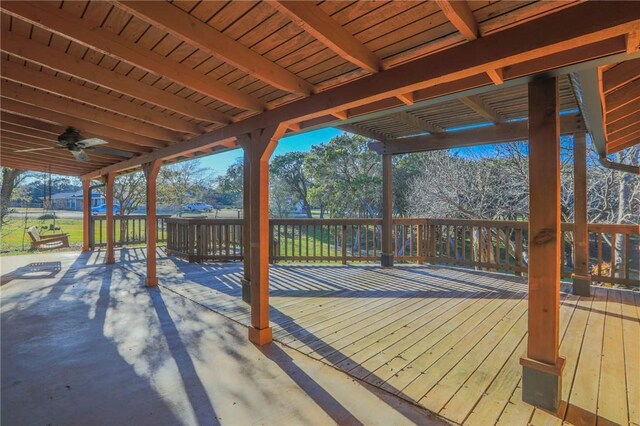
[448,339]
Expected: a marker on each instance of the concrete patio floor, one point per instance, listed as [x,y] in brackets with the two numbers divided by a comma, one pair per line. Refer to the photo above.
[85,343]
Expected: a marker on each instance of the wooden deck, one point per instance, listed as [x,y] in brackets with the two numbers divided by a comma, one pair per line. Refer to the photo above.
[447,339]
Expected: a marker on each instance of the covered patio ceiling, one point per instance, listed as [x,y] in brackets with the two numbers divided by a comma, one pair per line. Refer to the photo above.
[176,80]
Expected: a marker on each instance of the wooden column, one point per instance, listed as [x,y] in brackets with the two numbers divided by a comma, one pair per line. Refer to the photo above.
[244,142]
[151,171]
[109,181]
[581,275]
[386,256]
[542,364]
[86,214]
[260,147]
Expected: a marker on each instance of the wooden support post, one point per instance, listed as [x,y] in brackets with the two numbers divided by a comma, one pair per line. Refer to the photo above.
[86,214]
[244,142]
[542,364]
[261,144]
[386,256]
[151,171]
[109,181]
[581,274]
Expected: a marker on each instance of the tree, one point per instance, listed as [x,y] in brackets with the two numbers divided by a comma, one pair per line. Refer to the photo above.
[182,183]
[346,177]
[230,184]
[11,179]
[289,171]
[281,202]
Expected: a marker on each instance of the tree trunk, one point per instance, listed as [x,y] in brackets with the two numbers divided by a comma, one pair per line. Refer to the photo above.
[9,178]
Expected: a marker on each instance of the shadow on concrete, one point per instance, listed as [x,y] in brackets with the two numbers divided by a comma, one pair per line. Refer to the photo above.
[33,271]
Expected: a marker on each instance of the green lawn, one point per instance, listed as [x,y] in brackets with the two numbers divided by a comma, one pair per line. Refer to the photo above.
[14,233]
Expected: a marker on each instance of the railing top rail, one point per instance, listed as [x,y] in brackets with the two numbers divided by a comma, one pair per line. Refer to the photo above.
[136,215]
[478,222]
[331,221]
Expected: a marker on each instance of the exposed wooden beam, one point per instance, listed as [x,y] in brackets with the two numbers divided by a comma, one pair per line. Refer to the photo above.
[326,30]
[416,123]
[129,142]
[43,81]
[341,115]
[146,134]
[68,64]
[500,133]
[407,98]
[30,123]
[367,133]
[98,159]
[497,75]
[180,24]
[477,104]
[43,166]
[633,41]
[455,69]
[460,15]
[46,159]
[34,133]
[64,24]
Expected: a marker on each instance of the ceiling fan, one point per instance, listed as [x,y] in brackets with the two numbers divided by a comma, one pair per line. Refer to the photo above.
[72,141]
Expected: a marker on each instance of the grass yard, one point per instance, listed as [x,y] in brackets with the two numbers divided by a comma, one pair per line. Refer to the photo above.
[14,233]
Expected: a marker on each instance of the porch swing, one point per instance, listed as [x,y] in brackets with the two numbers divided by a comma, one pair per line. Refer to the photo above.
[50,241]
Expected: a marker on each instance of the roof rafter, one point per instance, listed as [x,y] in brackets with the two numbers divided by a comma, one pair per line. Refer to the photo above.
[191,30]
[65,63]
[460,15]
[326,30]
[110,44]
[30,77]
[148,134]
[113,136]
[416,123]
[359,130]
[482,108]
[459,65]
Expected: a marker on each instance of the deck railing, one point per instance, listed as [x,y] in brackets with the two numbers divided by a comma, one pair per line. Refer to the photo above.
[128,229]
[488,245]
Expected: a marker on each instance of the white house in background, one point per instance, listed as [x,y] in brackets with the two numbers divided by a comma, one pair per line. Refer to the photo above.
[73,200]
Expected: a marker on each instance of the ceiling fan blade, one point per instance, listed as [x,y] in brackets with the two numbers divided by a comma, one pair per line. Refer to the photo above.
[112,151]
[85,143]
[80,155]
[35,149]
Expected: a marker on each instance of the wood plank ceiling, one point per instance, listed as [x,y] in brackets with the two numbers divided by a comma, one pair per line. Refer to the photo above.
[153,77]
[620,94]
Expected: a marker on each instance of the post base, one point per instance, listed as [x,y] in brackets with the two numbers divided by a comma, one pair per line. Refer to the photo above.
[260,336]
[581,285]
[110,261]
[246,290]
[152,281]
[386,260]
[542,383]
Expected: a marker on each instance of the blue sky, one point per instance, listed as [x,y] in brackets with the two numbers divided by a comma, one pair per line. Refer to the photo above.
[219,163]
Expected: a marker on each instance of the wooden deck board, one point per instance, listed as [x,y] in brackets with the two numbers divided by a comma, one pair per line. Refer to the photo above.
[448,339]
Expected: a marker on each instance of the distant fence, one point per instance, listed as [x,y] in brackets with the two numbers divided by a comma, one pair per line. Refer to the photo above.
[488,245]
